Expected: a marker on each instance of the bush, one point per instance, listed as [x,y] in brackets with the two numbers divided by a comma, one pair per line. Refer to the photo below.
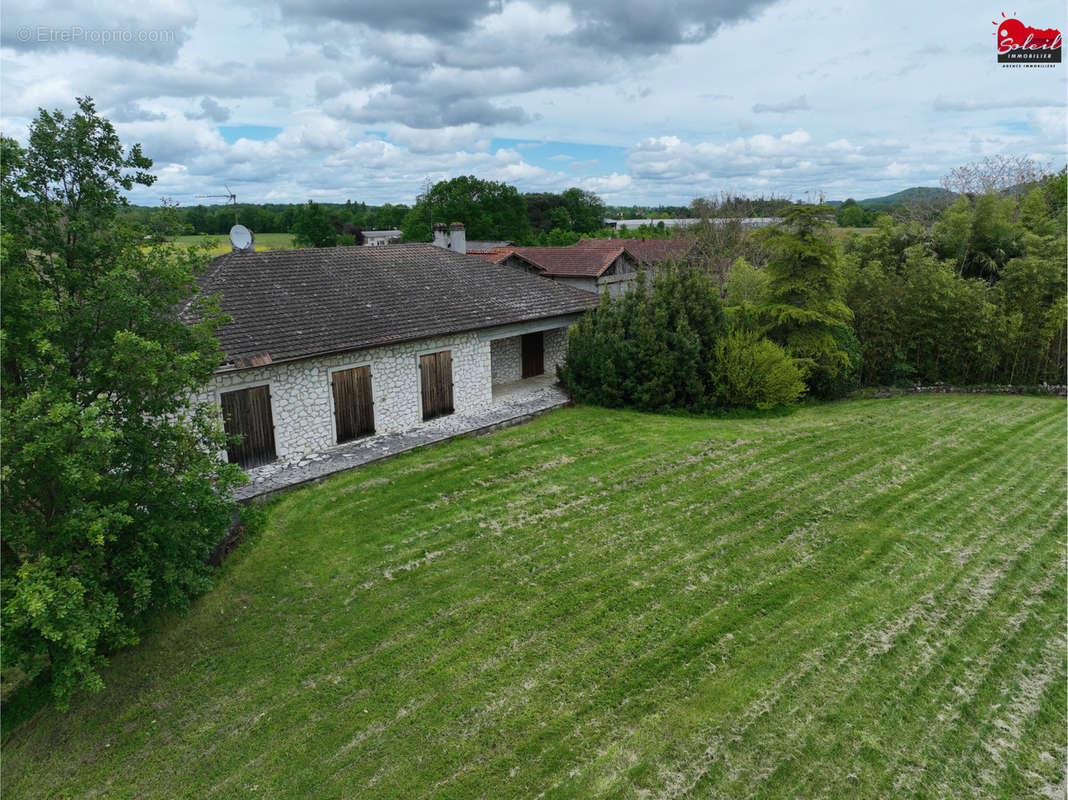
[755,373]
[651,349]
[828,385]
[663,347]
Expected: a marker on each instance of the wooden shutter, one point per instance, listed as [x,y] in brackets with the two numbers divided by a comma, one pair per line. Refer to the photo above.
[354,412]
[533,346]
[435,373]
[249,426]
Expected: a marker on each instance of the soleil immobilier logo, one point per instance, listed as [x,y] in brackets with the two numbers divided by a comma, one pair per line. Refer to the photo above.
[1018,42]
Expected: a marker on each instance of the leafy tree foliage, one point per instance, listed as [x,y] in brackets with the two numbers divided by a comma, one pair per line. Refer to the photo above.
[851,215]
[166,222]
[557,237]
[112,489]
[652,349]
[755,372]
[488,209]
[732,206]
[312,227]
[805,309]
[574,211]
[746,284]
[270,217]
[979,236]
[585,210]
[978,299]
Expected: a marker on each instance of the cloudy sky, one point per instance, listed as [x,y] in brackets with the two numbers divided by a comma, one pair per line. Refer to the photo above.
[638,101]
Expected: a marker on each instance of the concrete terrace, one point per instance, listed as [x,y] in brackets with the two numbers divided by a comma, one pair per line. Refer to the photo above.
[513,404]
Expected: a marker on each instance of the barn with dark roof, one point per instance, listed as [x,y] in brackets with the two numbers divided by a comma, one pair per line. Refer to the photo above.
[327,345]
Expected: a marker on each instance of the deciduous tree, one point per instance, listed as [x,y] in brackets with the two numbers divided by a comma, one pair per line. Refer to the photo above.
[489,210]
[312,227]
[113,490]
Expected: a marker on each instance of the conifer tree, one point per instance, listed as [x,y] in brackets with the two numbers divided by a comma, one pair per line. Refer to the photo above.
[805,310]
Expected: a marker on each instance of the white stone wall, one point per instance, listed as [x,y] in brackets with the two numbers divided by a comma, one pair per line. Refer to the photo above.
[302,401]
[506,357]
[555,348]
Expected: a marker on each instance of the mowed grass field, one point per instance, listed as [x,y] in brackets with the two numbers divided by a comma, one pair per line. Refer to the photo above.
[860,600]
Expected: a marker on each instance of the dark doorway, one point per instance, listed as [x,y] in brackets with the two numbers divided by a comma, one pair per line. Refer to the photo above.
[249,426]
[354,412]
[435,373]
[533,354]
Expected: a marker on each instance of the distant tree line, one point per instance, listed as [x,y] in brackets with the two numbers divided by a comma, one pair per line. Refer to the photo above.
[216,220]
[978,297]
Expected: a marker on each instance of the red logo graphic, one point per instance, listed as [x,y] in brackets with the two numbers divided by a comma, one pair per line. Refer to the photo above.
[1019,42]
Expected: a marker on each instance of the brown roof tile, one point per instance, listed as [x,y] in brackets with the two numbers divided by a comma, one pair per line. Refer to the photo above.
[493,255]
[572,261]
[288,304]
[646,251]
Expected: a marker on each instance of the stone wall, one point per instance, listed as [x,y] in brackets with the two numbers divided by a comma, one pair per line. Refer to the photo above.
[555,348]
[302,400]
[506,357]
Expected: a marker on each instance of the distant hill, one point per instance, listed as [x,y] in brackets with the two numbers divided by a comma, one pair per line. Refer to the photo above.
[914,195]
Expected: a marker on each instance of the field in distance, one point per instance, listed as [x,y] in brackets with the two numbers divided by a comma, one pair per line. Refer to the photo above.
[264,241]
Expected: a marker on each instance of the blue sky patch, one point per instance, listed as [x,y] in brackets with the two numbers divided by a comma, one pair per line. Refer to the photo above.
[257,133]
[560,156]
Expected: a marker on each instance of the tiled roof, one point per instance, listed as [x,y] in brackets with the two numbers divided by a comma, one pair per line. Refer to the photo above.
[475,246]
[288,304]
[571,261]
[494,255]
[646,251]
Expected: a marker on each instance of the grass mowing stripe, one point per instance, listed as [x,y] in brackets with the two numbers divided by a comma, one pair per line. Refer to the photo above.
[925,607]
[874,695]
[708,583]
[855,700]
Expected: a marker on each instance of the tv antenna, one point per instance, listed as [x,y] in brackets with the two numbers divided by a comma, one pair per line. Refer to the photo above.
[230,196]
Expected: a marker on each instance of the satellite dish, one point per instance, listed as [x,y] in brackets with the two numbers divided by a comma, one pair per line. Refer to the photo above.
[241,238]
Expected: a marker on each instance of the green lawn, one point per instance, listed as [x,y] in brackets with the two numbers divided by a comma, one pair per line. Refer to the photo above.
[859,600]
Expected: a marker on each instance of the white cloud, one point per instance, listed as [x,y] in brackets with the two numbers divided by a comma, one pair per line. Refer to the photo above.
[440,140]
[370,100]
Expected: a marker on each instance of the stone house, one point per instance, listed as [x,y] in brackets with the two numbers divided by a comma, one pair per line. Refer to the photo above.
[328,345]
